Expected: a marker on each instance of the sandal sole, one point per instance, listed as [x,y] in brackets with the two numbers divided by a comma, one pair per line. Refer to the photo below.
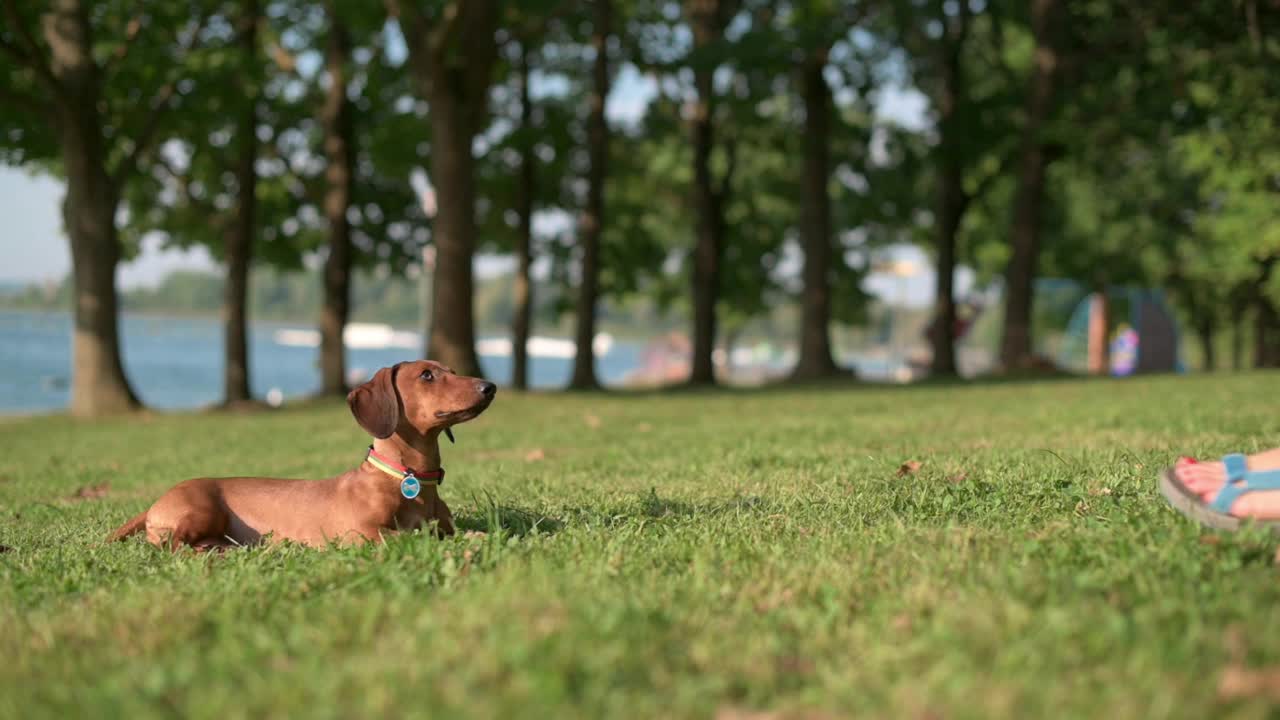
[1190,504]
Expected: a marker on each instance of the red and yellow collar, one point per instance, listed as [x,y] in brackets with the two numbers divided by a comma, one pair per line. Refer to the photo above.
[400,472]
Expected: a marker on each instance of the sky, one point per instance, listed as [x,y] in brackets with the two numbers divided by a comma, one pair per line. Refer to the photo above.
[37,248]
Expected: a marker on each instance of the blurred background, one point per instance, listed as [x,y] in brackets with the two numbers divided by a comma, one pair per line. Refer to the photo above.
[237,202]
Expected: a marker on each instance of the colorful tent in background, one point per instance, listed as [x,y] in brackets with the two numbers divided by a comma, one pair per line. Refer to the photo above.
[1078,331]
[1140,336]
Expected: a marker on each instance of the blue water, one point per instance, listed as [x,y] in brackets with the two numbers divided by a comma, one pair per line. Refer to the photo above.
[177,362]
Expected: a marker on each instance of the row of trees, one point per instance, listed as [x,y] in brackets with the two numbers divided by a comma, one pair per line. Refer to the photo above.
[1084,138]
[376,297]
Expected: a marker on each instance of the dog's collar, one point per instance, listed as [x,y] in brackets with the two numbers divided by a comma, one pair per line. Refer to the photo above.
[407,477]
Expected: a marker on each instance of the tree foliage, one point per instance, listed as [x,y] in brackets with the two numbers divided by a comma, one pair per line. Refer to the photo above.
[1100,141]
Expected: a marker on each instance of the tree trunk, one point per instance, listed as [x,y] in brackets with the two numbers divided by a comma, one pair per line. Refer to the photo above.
[707,19]
[238,251]
[453,335]
[815,229]
[1238,337]
[1273,341]
[951,209]
[950,215]
[1203,322]
[952,200]
[339,150]
[239,238]
[1259,336]
[592,222]
[709,245]
[1206,330]
[1266,334]
[98,382]
[451,57]
[522,313]
[1016,346]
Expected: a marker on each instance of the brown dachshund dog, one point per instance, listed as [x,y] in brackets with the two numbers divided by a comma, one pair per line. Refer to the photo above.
[405,408]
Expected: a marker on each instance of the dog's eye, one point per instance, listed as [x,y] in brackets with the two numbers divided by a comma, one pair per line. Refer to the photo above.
[426,375]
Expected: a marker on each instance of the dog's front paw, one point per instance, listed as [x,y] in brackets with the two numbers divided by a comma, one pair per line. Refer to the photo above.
[443,518]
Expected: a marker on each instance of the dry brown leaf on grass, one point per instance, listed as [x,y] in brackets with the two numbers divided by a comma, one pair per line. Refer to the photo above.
[795,665]
[92,492]
[535,455]
[592,421]
[1210,539]
[958,478]
[909,467]
[774,601]
[1237,682]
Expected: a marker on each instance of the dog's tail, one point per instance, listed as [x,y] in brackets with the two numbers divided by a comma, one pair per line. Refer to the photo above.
[132,527]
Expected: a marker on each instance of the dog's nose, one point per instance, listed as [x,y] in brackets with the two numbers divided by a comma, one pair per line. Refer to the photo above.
[488,389]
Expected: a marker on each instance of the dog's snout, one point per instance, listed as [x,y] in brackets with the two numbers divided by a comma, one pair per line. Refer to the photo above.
[488,389]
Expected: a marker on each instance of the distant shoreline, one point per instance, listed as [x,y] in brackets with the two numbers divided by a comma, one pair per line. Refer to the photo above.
[176,361]
[196,314]
[622,333]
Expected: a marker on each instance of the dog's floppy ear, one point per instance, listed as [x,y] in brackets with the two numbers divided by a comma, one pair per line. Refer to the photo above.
[375,404]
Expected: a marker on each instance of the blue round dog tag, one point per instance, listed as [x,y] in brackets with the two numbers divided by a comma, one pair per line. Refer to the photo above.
[410,487]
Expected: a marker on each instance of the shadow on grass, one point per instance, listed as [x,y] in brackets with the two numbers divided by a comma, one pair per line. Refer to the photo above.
[651,505]
[656,507]
[519,522]
[1257,555]
[510,519]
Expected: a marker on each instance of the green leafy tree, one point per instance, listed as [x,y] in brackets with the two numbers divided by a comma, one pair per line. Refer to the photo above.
[1167,179]
[219,180]
[330,177]
[88,90]
[452,53]
[371,138]
[707,21]
[954,51]
[592,220]
[524,172]
[1034,155]
[337,120]
[239,236]
[816,38]
[786,82]
[688,44]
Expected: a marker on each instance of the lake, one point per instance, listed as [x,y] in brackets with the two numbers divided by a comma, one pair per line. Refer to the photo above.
[176,362]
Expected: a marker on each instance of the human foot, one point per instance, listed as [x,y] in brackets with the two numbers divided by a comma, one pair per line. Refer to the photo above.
[1206,480]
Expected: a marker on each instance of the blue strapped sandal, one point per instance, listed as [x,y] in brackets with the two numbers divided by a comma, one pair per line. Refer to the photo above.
[1217,514]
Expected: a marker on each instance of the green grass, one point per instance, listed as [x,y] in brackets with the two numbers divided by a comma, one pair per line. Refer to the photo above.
[669,556]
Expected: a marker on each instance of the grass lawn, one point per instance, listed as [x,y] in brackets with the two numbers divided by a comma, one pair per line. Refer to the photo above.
[681,555]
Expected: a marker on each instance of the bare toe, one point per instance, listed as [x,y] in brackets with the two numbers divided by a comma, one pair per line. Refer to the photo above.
[1193,476]
[1204,479]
